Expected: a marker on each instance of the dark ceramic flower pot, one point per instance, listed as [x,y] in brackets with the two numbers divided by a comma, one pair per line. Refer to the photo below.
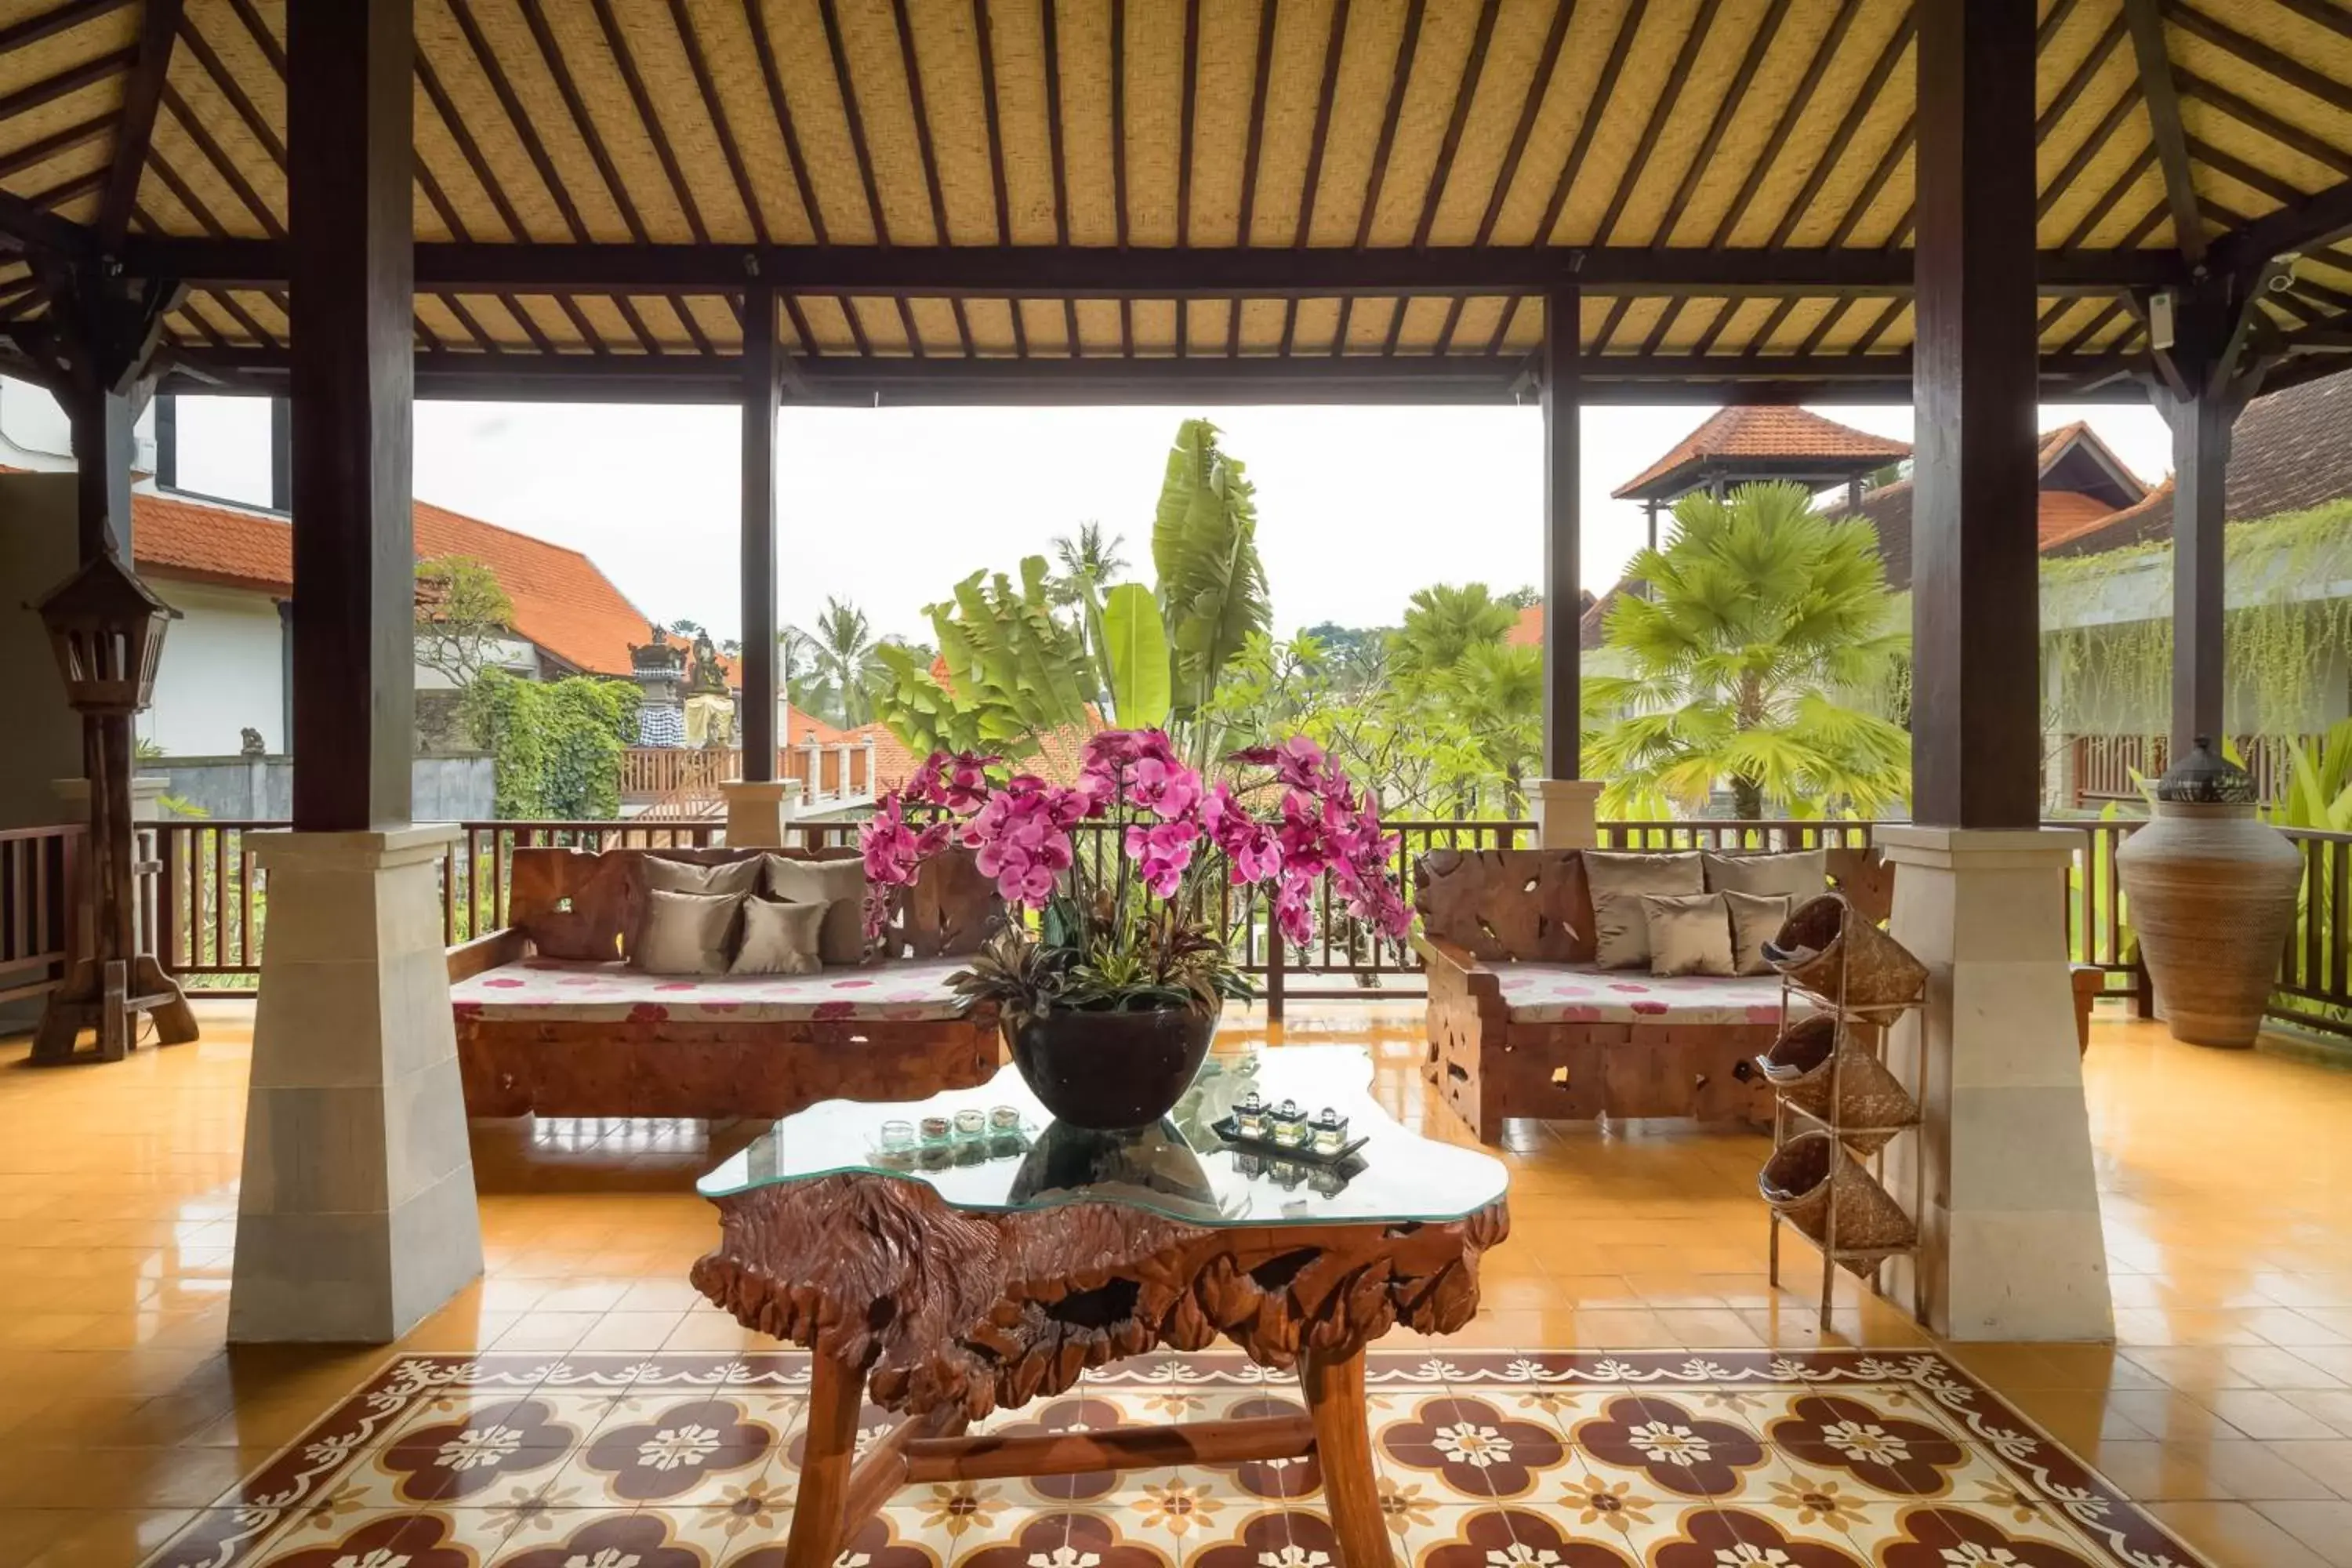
[1111,1070]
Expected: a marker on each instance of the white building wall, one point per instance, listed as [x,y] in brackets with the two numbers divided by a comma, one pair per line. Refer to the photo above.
[224,671]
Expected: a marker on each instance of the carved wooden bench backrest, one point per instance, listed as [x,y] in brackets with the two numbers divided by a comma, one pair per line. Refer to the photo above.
[1535,904]
[577,903]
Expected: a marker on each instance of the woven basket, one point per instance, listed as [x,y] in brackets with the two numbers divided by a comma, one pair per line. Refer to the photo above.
[1824,942]
[1798,1181]
[1814,1052]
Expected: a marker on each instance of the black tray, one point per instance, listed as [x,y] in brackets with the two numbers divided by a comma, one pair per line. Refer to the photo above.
[1230,1131]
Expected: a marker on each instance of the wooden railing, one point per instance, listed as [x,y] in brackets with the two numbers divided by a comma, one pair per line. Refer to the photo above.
[2109,767]
[38,869]
[824,772]
[212,905]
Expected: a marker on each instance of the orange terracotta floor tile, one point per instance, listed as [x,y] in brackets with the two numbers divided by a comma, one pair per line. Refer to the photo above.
[2227,1399]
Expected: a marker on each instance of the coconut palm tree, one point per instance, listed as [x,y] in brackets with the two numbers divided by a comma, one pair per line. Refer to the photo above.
[838,659]
[1753,660]
[1089,564]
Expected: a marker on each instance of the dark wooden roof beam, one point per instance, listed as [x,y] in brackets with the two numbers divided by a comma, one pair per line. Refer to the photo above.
[58,19]
[1012,272]
[2316,221]
[2163,105]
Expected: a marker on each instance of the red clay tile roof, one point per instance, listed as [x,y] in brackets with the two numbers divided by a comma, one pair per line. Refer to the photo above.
[2063,514]
[1765,435]
[2291,450]
[561,601]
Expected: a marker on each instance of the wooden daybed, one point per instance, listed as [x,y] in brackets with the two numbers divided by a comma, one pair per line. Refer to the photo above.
[1522,1024]
[552,1022]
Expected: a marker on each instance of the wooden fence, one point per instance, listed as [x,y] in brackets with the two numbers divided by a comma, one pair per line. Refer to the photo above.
[211,905]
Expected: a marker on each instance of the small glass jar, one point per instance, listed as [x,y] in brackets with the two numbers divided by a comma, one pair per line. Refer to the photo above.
[1286,1124]
[971,1123]
[1249,1115]
[897,1135]
[1327,1180]
[936,1131]
[1329,1132]
[1248,1164]
[1288,1173]
[934,1156]
[1004,1119]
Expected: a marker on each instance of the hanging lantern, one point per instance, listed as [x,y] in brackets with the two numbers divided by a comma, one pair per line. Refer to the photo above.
[106,631]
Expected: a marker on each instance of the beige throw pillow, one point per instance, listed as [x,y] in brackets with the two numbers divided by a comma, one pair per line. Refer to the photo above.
[779,938]
[685,933]
[1755,919]
[840,886]
[665,875]
[1799,874]
[1688,936]
[1618,882]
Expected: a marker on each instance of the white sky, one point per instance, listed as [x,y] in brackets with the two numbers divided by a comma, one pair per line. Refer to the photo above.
[888,508]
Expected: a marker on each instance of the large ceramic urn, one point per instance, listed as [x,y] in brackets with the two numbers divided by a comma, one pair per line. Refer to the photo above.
[2211,894]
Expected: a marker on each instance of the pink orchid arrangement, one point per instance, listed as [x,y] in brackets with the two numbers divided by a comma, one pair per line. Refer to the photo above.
[1173,837]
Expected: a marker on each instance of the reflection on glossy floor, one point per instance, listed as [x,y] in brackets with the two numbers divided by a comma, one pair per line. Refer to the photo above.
[2226,1408]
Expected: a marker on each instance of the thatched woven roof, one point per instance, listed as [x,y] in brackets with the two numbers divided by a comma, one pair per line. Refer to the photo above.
[1177,193]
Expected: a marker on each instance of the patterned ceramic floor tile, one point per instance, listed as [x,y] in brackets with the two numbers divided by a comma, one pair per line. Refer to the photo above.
[1829,1459]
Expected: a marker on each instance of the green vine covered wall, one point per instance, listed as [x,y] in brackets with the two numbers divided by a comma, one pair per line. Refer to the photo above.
[555,746]
[2108,626]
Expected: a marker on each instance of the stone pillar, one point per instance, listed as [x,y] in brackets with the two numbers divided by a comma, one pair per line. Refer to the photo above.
[756,813]
[356,1218]
[1565,812]
[2000,1175]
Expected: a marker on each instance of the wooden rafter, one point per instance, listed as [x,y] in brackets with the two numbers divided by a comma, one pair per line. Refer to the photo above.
[1766,32]
[649,117]
[1188,86]
[57,20]
[1660,112]
[1310,184]
[2313,221]
[1054,147]
[1466,93]
[1538,86]
[33,153]
[1408,47]
[2123,182]
[906,31]
[1851,122]
[1595,110]
[142,95]
[223,165]
[224,83]
[689,42]
[2253,115]
[2093,143]
[73,79]
[846,85]
[983,39]
[2163,105]
[1768,159]
[2079,79]
[1864,199]
[1250,152]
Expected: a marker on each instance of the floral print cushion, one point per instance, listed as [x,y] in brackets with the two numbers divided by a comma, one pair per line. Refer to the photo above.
[1581,994]
[586,991]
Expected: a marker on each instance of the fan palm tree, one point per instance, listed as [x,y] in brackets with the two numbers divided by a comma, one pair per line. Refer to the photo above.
[1763,625]
[1089,564]
[1441,624]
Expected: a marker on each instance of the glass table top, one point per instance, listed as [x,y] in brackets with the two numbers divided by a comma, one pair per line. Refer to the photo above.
[1183,1169]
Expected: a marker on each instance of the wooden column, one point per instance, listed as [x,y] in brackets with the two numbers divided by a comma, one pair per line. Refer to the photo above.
[2200,381]
[348,135]
[1562,700]
[100,419]
[281,455]
[2201,468]
[1975,734]
[759,410]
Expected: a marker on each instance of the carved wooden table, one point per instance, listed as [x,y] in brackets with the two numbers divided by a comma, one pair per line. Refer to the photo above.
[947,1283]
